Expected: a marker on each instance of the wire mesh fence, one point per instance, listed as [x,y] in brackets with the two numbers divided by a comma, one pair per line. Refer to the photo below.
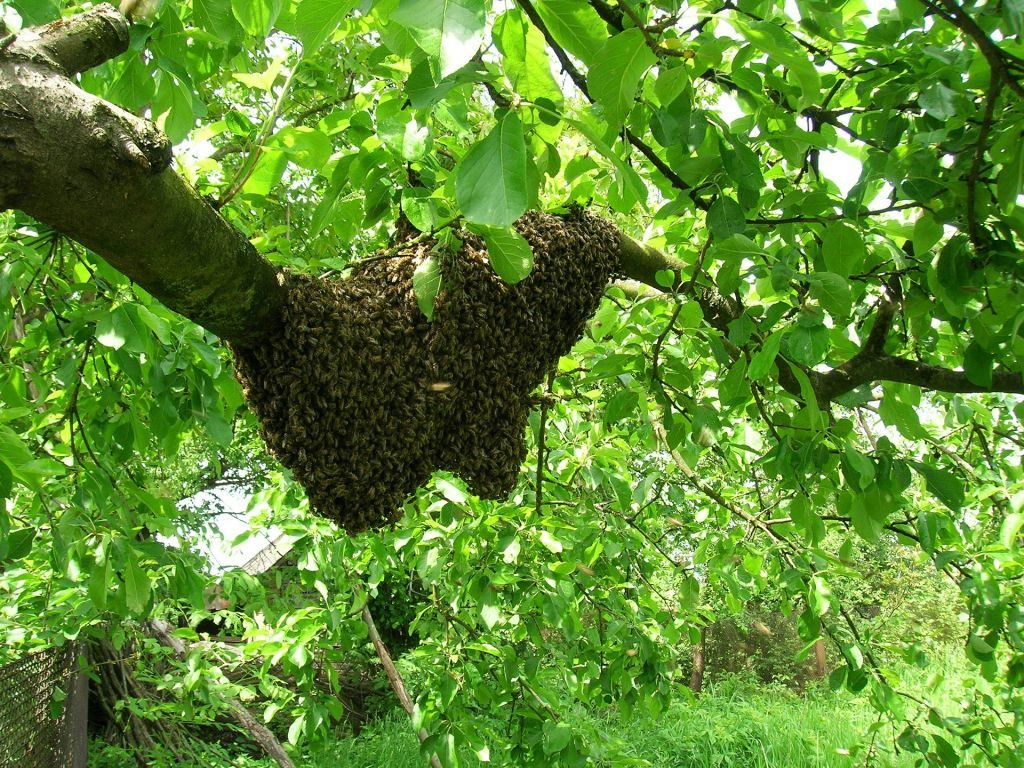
[43,702]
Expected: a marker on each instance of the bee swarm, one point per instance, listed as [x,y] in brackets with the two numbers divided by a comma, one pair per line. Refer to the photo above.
[362,397]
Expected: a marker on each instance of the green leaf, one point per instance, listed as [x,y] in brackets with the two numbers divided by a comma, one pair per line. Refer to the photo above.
[805,518]
[137,586]
[927,232]
[726,218]
[296,729]
[622,404]
[99,583]
[763,360]
[420,208]
[304,146]
[552,544]
[733,389]
[261,80]
[268,173]
[945,486]
[525,58]
[783,49]
[575,26]
[215,17]
[426,282]
[615,76]
[315,20]
[492,182]
[402,130]
[17,544]
[115,329]
[735,248]
[978,365]
[938,101]
[509,253]
[744,167]
[858,469]
[807,343]
[256,16]
[868,511]
[1010,529]
[901,415]
[490,614]
[832,292]
[843,249]
[450,32]
[627,180]
[557,737]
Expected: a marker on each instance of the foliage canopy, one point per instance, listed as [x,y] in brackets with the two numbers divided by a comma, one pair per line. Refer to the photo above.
[835,365]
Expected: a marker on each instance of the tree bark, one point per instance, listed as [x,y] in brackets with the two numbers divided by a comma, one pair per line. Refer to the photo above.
[820,666]
[100,176]
[697,674]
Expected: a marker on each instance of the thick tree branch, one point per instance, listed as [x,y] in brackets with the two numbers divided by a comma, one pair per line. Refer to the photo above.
[882,367]
[100,175]
[642,263]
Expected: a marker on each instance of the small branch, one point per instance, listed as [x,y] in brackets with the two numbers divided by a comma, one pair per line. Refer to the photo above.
[974,175]
[247,168]
[581,83]
[398,250]
[394,676]
[545,405]
[999,60]
[830,118]
[833,217]
[259,732]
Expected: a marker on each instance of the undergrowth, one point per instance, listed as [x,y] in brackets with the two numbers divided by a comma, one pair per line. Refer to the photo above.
[735,724]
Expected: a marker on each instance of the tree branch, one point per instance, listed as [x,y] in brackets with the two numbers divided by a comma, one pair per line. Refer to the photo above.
[1000,60]
[580,81]
[249,723]
[870,364]
[849,376]
[100,175]
[394,676]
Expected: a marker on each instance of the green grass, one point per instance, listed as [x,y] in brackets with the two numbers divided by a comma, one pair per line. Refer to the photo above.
[732,726]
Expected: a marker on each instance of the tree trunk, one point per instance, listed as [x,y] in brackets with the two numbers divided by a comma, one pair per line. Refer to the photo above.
[819,658]
[697,675]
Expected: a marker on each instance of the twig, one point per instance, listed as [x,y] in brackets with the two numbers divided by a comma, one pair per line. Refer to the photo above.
[999,60]
[545,404]
[835,216]
[259,732]
[247,168]
[396,250]
[581,83]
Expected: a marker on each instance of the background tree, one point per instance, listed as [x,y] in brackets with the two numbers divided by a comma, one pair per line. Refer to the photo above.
[812,356]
